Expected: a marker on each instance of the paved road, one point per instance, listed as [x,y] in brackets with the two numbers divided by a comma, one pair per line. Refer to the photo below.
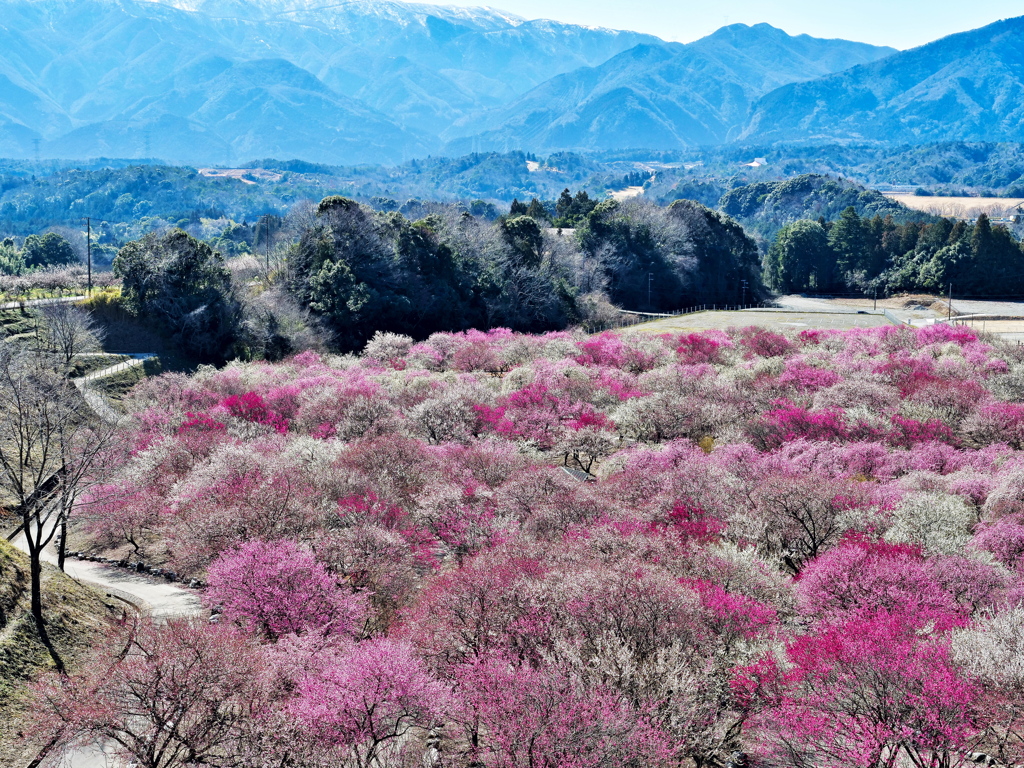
[159,598]
[1007,308]
[84,757]
[41,302]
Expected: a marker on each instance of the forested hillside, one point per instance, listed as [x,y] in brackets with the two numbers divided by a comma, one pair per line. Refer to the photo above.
[660,96]
[764,207]
[127,198]
[331,274]
[965,87]
[343,272]
[859,254]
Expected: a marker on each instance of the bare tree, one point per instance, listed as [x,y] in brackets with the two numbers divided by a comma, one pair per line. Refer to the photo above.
[52,447]
[172,695]
[71,331]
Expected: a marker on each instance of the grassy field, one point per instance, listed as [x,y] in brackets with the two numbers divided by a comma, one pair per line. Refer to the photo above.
[76,618]
[959,207]
[793,321]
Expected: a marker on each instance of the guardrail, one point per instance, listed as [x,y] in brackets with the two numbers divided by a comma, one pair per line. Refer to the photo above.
[113,370]
[892,318]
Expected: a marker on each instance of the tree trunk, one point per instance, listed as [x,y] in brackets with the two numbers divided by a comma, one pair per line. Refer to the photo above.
[36,570]
[62,543]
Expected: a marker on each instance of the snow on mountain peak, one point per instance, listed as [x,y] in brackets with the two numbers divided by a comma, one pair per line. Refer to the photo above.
[328,11]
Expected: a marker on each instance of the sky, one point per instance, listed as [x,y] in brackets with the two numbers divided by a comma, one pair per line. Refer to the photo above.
[899,23]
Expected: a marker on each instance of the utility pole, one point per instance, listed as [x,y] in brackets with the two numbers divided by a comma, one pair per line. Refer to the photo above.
[949,304]
[266,246]
[88,250]
[650,278]
[875,307]
[743,287]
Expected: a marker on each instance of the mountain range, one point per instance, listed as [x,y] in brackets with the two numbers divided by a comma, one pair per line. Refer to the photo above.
[965,87]
[663,96]
[225,81]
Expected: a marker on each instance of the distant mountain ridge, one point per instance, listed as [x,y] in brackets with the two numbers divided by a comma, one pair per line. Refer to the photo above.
[663,96]
[225,81]
[387,75]
[965,87]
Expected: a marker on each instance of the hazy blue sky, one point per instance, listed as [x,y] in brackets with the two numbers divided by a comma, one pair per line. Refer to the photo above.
[899,23]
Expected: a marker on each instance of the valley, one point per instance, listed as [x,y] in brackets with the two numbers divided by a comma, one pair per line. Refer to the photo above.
[394,385]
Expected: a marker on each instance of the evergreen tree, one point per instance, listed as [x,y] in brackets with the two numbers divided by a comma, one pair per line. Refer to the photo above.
[800,259]
[50,250]
[847,238]
[537,211]
[180,286]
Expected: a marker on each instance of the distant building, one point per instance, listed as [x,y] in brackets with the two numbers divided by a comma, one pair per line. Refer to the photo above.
[758,162]
[579,474]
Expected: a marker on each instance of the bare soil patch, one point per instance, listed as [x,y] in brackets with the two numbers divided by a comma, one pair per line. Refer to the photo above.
[628,192]
[959,207]
[244,175]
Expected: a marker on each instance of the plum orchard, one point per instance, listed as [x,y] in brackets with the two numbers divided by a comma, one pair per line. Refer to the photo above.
[807,547]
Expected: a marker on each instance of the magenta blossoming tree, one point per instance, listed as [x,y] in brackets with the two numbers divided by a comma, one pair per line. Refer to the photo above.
[866,693]
[279,588]
[495,550]
[363,699]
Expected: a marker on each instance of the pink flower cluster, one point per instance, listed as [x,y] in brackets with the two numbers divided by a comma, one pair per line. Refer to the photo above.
[767,542]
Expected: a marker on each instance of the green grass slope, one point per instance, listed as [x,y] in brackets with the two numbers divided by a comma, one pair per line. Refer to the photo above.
[77,617]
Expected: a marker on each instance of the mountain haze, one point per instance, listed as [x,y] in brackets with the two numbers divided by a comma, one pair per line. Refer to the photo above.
[662,96]
[965,87]
[381,78]
[357,81]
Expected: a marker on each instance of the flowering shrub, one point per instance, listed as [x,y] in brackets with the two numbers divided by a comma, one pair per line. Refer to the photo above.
[620,550]
[252,407]
[861,692]
[276,589]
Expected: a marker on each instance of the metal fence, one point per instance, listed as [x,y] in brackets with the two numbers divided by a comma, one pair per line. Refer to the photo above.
[893,319]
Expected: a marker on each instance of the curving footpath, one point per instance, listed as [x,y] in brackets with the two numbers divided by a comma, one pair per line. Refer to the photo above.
[152,596]
[95,400]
